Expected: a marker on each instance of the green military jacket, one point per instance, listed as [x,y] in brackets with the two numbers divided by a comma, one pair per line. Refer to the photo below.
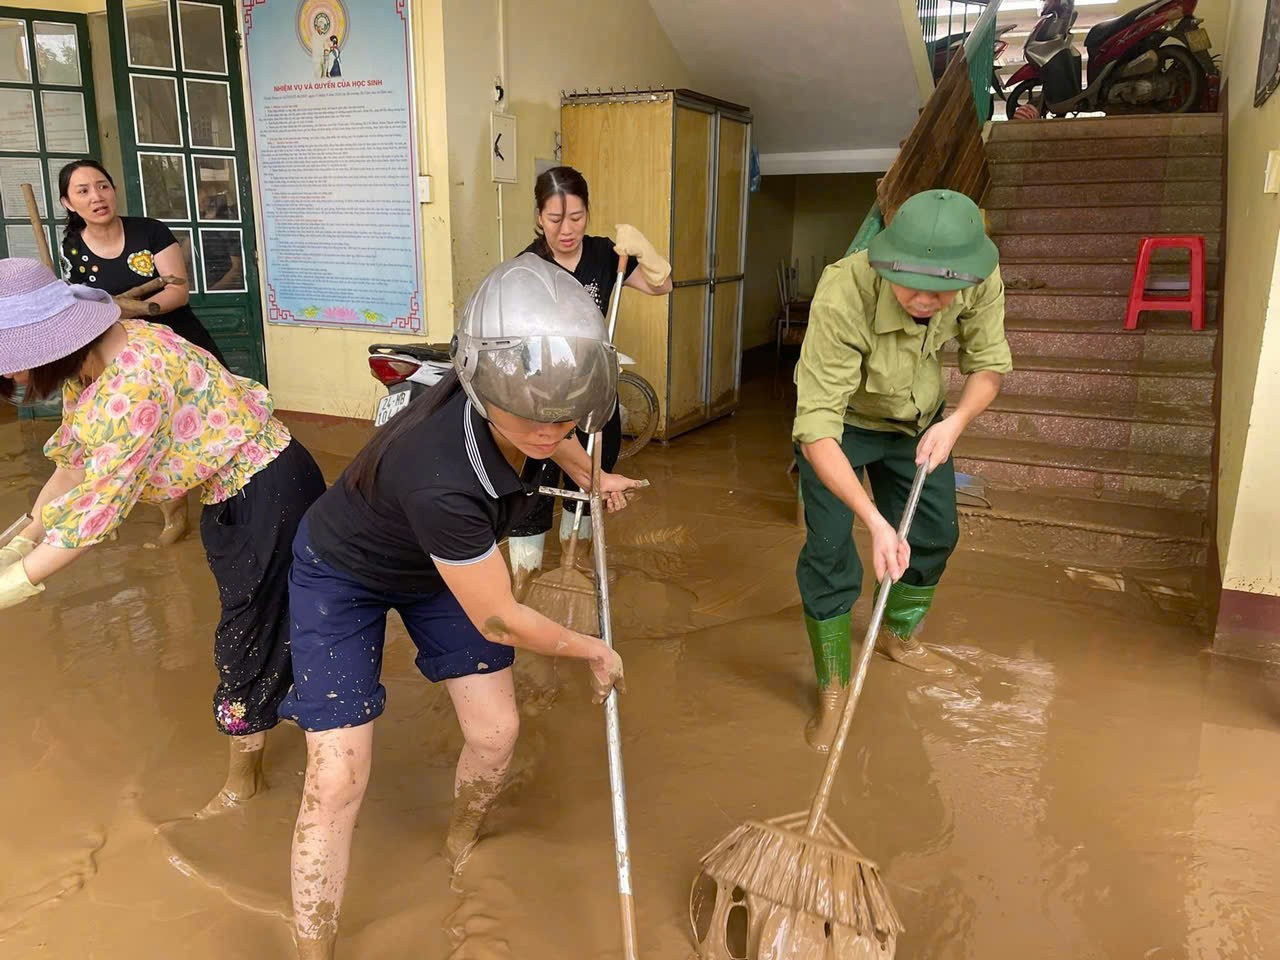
[866,363]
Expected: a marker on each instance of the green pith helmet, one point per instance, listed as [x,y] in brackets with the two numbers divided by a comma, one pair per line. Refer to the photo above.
[936,242]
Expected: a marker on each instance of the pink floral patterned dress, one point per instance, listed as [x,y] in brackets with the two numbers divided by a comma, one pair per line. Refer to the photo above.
[161,420]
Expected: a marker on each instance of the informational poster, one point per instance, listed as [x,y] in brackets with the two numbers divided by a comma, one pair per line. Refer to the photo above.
[331,87]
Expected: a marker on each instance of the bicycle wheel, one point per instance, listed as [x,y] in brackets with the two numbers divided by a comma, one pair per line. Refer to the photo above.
[639,405]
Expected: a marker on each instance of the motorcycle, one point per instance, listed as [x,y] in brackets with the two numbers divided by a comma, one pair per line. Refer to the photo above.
[408,370]
[1153,59]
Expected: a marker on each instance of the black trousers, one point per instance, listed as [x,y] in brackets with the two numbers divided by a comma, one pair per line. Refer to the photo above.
[539,521]
[248,540]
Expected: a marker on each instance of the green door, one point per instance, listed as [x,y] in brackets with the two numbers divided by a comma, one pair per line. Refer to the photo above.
[176,68]
[47,117]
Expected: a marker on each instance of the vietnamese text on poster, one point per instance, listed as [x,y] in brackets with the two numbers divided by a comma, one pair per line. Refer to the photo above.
[330,87]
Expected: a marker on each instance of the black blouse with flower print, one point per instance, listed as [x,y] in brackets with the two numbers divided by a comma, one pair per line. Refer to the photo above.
[143,239]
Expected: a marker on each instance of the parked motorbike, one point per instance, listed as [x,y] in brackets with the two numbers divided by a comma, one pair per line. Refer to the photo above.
[408,370]
[1153,59]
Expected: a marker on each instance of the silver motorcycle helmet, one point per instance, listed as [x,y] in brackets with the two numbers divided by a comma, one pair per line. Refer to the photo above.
[532,342]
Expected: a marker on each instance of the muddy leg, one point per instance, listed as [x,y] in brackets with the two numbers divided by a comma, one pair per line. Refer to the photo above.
[337,774]
[244,774]
[175,521]
[486,708]
[526,560]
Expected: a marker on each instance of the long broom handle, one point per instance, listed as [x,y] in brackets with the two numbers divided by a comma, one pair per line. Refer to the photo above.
[823,797]
[614,299]
[613,730]
[37,225]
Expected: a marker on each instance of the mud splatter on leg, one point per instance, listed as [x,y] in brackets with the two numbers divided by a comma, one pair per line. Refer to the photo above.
[337,775]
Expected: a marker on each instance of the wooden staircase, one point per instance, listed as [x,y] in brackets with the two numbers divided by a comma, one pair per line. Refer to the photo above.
[1098,452]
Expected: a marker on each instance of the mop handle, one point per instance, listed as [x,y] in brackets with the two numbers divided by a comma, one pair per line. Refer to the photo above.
[12,530]
[614,299]
[823,797]
[613,730]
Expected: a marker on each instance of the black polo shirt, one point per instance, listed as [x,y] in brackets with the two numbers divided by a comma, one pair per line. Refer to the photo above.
[443,492]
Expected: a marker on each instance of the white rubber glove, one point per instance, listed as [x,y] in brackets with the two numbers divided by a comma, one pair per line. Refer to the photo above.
[15,550]
[15,587]
[634,244]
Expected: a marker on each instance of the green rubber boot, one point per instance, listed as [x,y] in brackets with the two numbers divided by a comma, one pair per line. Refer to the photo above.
[829,640]
[903,615]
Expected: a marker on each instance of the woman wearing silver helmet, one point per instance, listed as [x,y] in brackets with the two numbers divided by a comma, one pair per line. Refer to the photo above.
[414,524]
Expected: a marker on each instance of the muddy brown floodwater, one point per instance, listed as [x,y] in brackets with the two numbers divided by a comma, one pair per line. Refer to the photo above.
[1092,785]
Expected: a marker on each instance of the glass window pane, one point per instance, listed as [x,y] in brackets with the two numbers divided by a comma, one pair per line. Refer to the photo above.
[13,174]
[183,236]
[164,186]
[21,240]
[18,120]
[15,62]
[150,36]
[204,46]
[155,111]
[55,168]
[223,259]
[64,122]
[209,113]
[216,195]
[57,53]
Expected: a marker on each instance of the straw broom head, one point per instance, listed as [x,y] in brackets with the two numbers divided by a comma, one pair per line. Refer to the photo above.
[824,875]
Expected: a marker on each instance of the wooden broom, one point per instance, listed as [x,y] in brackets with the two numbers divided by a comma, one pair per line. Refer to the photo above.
[808,891]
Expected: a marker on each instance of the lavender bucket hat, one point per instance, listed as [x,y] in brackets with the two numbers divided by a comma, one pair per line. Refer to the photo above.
[43,319]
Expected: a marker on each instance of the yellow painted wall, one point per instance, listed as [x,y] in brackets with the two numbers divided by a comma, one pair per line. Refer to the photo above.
[1249,445]
[60,6]
[326,371]
[829,210]
[770,226]
[552,45]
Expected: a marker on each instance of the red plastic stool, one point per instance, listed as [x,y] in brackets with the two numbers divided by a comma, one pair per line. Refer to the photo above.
[1139,300]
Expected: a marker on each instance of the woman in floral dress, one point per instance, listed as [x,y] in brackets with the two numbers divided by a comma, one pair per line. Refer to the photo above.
[102,249]
[149,417]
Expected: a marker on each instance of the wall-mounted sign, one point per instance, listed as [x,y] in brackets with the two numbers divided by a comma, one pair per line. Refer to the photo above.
[1269,55]
[331,90]
[502,135]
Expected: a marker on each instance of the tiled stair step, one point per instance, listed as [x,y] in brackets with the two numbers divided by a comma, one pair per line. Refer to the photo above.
[1094,149]
[1123,191]
[1175,218]
[1083,378]
[1047,172]
[1068,303]
[1016,246]
[1103,128]
[1108,273]
[1107,425]
[1162,479]
[1102,533]
[1159,339]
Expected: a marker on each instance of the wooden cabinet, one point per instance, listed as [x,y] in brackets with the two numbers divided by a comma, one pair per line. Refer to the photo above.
[674,164]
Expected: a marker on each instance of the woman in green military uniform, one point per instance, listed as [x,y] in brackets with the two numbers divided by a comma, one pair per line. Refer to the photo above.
[871,392]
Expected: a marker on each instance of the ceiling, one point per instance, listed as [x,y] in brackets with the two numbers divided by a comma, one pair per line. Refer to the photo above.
[831,83]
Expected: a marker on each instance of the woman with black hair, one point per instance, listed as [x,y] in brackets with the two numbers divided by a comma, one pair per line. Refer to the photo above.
[106,251]
[563,211]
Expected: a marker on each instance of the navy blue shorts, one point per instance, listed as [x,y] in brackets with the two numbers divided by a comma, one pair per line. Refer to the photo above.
[339,627]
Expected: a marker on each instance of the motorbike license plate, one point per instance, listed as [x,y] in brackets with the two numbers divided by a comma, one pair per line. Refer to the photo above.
[390,405]
[1198,40]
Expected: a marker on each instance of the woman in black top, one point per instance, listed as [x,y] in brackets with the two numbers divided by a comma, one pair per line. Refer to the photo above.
[563,210]
[413,525]
[102,249]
